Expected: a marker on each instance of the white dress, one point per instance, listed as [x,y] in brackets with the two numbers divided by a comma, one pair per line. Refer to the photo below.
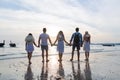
[86,44]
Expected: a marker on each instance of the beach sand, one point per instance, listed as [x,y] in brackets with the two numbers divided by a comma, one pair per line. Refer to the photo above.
[101,66]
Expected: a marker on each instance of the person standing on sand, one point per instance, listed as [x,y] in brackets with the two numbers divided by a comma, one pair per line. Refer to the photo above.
[44,43]
[29,41]
[60,46]
[86,44]
[77,42]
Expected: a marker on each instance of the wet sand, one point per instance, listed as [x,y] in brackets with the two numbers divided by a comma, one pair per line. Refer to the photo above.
[101,66]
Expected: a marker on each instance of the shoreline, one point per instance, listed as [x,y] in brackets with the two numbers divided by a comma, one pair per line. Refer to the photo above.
[101,66]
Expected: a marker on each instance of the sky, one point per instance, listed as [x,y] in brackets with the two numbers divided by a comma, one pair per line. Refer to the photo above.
[101,18]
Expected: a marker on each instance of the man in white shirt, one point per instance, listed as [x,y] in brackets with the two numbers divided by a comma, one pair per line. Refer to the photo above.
[44,43]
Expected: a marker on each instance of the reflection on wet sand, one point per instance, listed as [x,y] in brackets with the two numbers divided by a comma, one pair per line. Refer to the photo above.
[76,73]
[29,74]
[60,75]
[44,72]
[87,71]
[60,72]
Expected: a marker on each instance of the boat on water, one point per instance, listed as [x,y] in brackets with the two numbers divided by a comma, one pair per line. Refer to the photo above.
[2,44]
[108,44]
[12,44]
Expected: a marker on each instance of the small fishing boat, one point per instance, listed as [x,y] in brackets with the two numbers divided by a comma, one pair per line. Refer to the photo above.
[108,44]
[12,44]
[2,44]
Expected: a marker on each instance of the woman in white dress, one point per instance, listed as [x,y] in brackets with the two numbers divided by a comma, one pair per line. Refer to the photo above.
[29,41]
[60,46]
[86,44]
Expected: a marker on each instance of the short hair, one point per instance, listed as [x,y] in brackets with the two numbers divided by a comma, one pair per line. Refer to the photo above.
[44,29]
[77,29]
[30,34]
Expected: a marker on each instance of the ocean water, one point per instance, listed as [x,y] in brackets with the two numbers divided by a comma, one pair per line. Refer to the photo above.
[7,52]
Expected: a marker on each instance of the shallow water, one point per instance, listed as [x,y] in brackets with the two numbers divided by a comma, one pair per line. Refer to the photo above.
[19,51]
[14,64]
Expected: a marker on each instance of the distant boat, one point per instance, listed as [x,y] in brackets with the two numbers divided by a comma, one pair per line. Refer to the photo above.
[12,44]
[2,44]
[108,44]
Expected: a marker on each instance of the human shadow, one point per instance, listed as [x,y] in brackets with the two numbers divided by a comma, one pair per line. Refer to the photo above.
[76,72]
[29,73]
[87,71]
[44,71]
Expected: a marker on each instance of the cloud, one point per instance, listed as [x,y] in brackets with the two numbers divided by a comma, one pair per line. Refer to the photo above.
[98,17]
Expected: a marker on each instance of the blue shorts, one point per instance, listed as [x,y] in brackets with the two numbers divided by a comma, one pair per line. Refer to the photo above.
[44,47]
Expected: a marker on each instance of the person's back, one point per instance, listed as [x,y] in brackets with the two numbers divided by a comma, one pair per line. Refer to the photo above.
[87,37]
[77,38]
[44,38]
[44,43]
[29,39]
[77,42]
[60,46]
[86,42]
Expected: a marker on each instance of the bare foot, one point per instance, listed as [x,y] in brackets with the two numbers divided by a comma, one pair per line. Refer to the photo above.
[47,60]
[30,62]
[71,59]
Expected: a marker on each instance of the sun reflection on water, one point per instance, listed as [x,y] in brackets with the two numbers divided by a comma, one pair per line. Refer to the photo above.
[54,55]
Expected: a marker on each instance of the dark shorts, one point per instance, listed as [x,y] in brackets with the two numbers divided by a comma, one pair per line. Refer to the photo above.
[44,47]
[76,46]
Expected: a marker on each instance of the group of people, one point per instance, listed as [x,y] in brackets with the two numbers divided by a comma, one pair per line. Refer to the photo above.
[76,41]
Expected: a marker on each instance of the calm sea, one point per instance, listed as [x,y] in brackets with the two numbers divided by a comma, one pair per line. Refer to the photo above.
[7,52]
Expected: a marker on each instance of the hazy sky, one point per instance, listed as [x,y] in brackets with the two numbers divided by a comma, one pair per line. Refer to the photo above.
[100,17]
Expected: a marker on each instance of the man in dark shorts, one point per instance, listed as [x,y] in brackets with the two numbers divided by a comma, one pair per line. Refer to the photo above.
[76,39]
[44,43]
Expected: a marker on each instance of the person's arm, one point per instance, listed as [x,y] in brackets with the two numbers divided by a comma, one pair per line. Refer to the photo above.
[90,39]
[34,43]
[25,45]
[55,40]
[71,38]
[39,41]
[81,40]
[65,40]
[50,40]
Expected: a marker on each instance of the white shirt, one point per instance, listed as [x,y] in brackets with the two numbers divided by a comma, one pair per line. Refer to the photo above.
[44,38]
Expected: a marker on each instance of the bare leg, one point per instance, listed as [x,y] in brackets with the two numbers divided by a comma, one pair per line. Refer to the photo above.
[85,55]
[88,55]
[47,56]
[60,57]
[42,55]
[29,57]
[78,53]
[72,55]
